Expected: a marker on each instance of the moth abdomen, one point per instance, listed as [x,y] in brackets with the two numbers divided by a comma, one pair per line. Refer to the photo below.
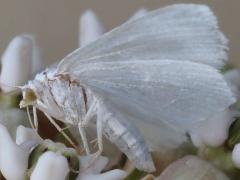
[129,142]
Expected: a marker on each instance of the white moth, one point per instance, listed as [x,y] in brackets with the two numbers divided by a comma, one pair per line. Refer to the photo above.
[144,84]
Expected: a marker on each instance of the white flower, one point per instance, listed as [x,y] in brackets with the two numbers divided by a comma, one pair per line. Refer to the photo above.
[52,166]
[236,155]
[233,79]
[116,174]
[11,118]
[92,172]
[19,60]
[90,28]
[191,167]
[24,134]
[214,131]
[13,157]
[233,76]
[37,60]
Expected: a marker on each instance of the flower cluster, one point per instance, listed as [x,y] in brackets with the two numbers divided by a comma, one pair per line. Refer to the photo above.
[25,154]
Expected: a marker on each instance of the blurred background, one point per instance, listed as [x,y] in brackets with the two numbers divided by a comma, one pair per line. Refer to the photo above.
[55,23]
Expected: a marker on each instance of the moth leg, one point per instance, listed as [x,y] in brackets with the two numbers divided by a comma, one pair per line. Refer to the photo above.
[97,154]
[82,124]
[35,118]
[99,137]
[94,142]
[92,111]
[62,132]
[84,138]
[99,131]
[90,114]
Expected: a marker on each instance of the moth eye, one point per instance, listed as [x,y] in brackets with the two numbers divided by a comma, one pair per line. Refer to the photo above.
[30,96]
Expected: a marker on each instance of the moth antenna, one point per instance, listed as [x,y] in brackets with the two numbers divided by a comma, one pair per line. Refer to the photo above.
[10,93]
[3,84]
[16,90]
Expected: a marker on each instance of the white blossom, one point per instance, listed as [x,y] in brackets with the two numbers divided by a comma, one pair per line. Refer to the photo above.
[24,134]
[17,62]
[236,155]
[233,76]
[11,118]
[212,132]
[233,79]
[13,158]
[92,172]
[115,174]
[90,28]
[37,61]
[52,166]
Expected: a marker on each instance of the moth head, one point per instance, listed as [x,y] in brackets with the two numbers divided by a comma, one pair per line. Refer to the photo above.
[29,97]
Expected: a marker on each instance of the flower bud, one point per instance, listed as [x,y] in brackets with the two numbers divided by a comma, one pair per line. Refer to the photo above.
[37,61]
[90,28]
[51,166]
[236,155]
[17,63]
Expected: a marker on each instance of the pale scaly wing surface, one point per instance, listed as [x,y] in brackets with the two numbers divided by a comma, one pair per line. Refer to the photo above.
[183,32]
[167,96]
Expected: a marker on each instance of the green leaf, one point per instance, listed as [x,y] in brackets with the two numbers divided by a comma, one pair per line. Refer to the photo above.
[73,162]
[234,134]
[221,157]
[9,100]
[135,174]
[226,68]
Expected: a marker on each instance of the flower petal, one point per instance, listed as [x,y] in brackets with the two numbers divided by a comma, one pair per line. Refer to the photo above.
[11,118]
[95,168]
[236,155]
[37,61]
[116,174]
[50,166]
[24,134]
[233,79]
[13,159]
